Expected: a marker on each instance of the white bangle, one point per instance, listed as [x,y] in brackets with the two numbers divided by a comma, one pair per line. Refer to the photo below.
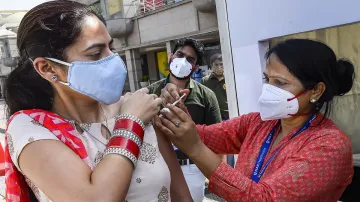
[122,152]
[128,135]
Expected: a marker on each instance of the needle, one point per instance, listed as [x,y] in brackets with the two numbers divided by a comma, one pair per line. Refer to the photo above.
[173,104]
[179,100]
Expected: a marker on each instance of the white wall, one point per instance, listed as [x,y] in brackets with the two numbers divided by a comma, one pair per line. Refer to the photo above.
[169,23]
[251,21]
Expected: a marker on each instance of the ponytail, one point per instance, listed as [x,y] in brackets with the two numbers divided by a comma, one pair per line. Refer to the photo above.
[25,89]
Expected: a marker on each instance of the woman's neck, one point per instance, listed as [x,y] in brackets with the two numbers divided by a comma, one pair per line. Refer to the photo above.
[289,124]
[77,110]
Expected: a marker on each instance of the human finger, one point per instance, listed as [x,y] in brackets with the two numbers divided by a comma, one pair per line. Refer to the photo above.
[157,120]
[154,96]
[185,91]
[174,92]
[170,116]
[158,101]
[144,90]
[169,125]
[168,98]
[159,125]
[179,113]
[127,95]
[182,106]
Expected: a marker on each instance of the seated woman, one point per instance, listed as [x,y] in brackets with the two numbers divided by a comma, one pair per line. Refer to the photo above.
[287,152]
[70,136]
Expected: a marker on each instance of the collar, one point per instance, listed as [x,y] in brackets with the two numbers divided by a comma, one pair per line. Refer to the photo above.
[190,84]
[212,76]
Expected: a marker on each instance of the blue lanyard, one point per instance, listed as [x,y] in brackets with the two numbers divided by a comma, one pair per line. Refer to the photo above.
[257,173]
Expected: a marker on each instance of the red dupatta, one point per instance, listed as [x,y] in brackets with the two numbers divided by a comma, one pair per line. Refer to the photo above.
[16,187]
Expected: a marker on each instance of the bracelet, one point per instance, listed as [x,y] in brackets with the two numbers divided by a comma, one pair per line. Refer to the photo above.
[124,143]
[128,135]
[131,117]
[122,152]
[129,125]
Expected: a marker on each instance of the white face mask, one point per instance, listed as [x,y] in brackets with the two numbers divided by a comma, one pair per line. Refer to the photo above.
[276,103]
[181,68]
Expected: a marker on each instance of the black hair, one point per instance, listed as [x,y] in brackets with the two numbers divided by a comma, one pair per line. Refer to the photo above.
[216,56]
[45,31]
[313,62]
[195,44]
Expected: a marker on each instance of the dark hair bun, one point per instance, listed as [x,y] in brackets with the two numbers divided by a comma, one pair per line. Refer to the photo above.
[344,76]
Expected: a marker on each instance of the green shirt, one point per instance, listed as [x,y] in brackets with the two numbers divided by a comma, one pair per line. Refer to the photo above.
[201,103]
[219,88]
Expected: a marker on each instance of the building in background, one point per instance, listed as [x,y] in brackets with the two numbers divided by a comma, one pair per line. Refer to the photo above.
[145,32]
[9,23]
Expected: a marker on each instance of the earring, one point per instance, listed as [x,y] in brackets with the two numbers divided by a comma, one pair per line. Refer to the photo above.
[54,78]
[313,100]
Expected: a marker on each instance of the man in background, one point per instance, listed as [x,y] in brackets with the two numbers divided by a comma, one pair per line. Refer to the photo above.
[198,75]
[216,82]
[201,103]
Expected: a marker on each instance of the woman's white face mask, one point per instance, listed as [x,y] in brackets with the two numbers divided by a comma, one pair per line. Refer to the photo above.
[276,103]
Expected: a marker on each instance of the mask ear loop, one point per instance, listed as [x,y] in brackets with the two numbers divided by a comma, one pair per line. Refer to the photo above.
[63,63]
[51,59]
[300,94]
[59,61]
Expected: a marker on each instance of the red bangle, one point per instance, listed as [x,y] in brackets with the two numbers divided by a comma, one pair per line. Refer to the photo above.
[122,142]
[130,125]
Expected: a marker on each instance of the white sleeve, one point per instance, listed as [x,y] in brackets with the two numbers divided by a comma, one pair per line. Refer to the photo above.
[23,130]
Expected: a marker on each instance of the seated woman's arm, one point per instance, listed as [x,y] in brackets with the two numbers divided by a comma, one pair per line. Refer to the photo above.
[179,190]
